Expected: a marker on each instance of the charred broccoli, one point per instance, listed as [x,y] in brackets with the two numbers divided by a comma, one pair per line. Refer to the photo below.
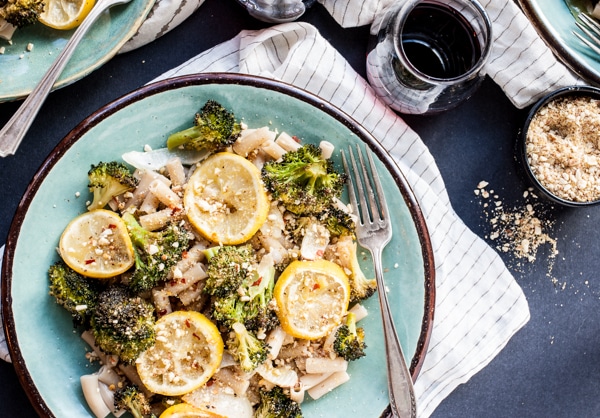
[303,181]
[74,292]
[21,13]
[275,403]
[249,351]
[361,288]
[123,324]
[249,304]
[227,268]
[349,340]
[132,399]
[337,222]
[214,129]
[108,180]
[156,252]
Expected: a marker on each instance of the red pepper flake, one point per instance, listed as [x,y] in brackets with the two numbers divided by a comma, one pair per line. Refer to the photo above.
[196,336]
[187,323]
[112,226]
[316,286]
[175,210]
[295,138]
[90,261]
[320,253]
[256,283]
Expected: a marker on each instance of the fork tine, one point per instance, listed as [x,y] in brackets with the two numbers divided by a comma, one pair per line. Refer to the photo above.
[375,214]
[591,28]
[351,186]
[356,183]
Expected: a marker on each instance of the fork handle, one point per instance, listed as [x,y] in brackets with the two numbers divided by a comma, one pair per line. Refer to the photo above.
[400,387]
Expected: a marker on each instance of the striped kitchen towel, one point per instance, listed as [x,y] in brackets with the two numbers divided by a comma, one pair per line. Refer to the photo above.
[479,305]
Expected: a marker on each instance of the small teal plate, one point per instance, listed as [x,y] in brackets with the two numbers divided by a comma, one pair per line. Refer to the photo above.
[21,70]
[555,23]
[49,356]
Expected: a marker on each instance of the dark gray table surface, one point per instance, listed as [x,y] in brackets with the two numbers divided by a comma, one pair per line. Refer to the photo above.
[551,368]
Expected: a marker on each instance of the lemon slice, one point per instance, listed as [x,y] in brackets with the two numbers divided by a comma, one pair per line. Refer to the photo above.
[312,298]
[185,410]
[187,352]
[226,200]
[65,14]
[97,244]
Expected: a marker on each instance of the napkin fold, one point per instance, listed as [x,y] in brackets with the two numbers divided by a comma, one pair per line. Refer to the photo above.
[479,305]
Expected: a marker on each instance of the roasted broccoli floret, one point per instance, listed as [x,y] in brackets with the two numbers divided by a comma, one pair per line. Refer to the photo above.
[303,181]
[227,268]
[249,305]
[249,351]
[132,399]
[275,403]
[108,180]
[21,13]
[349,340]
[214,129]
[74,292]
[361,288]
[337,222]
[123,324]
[156,252]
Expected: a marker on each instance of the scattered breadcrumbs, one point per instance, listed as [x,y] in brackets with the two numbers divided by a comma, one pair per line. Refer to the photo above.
[520,231]
[563,148]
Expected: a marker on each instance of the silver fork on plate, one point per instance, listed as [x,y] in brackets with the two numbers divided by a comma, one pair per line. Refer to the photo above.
[15,129]
[374,232]
[590,27]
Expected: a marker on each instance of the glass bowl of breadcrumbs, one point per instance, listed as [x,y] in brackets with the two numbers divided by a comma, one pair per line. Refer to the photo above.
[560,146]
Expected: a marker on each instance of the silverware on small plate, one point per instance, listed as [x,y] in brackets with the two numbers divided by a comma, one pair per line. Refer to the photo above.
[374,232]
[15,129]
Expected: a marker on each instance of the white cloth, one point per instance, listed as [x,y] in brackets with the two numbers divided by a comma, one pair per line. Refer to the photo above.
[479,305]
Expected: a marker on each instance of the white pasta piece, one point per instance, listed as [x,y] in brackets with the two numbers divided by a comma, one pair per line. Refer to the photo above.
[6,29]
[188,278]
[325,365]
[231,378]
[131,373]
[314,242]
[285,141]
[326,386]
[295,350]
[252,140]
[308,381]
[282,376]
[327,149]
[273,149]
[176,171]
[150,203]
[145,177]
[275,340]
[91,393]
[109,360]
[158,220]
[359,311]
[108,376]
[297,393]
[108,396]
[162,303]
[164,193]
[191,294]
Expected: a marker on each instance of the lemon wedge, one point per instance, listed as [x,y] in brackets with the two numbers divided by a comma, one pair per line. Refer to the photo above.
[187,352]
[97,244]
[226,200]
[184,410]
[312,298]
[65,14]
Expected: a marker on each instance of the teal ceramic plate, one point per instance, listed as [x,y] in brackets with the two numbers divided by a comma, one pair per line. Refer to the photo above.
[554,21]
[49,356]
[21,70]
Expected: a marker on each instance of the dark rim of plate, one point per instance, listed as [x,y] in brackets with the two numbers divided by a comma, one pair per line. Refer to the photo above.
[181,82]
